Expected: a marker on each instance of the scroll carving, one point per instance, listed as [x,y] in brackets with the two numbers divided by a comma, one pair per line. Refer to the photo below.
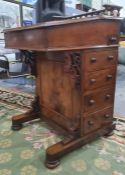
[29,58]
[72,66]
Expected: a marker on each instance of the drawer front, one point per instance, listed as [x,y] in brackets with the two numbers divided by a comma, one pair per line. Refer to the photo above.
[94,121]
[98,60]
[90,124]
[100,78]
[98,100]
[106,115]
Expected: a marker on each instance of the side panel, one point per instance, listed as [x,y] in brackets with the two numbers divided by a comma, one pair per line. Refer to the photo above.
[60,99]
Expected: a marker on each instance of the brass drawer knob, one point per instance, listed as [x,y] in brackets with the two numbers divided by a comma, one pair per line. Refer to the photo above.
[107,116]
[92,102]
[110,57]
[93,59]
[92,80]
[109,77]
[113,39]
[108,96]
[90,123]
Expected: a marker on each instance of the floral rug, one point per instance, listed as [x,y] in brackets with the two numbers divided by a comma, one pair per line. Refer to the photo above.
[23,152]
[16,98]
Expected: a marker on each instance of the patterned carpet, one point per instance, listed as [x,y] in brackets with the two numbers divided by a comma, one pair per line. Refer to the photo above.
[23,152]
[16,98]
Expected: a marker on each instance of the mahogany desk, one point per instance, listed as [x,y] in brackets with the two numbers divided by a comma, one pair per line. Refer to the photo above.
[75,65]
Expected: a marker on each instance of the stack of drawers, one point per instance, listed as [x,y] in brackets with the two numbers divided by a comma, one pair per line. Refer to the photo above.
[98,84]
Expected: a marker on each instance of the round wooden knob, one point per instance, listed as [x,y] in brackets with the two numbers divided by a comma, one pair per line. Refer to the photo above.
[90,123]
[108,96]
[91,102]
[93,80]
[93,59]
[107,116]
[110,57]
[109,77]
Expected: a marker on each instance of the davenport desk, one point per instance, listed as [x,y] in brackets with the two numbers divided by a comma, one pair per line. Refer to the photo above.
[74,62]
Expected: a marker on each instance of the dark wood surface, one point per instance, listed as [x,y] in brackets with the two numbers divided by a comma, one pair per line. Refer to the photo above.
[65,35]
[76,64]
[100,59]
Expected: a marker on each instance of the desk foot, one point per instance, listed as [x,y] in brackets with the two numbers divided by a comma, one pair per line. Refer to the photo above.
[32,114]
[52,164]
[110,131]
[58,150]
[18,120]
[16,127]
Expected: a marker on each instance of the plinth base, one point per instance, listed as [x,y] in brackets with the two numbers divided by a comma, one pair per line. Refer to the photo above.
[56,151]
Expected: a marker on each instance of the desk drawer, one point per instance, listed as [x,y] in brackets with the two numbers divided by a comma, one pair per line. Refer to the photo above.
[95,120]
[97,60]
[98,100]
[99,79]
[106,115]
[91,123]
